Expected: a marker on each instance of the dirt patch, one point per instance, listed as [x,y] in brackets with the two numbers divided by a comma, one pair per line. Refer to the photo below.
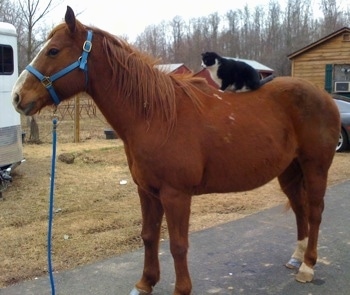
[97,211]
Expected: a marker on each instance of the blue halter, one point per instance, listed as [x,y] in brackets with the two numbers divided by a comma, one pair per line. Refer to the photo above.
[81,63]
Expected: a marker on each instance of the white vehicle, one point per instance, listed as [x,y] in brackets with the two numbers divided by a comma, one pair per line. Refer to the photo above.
[10,121]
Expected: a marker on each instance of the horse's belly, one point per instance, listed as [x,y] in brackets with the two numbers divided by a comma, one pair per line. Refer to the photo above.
[237,184]
[234,175]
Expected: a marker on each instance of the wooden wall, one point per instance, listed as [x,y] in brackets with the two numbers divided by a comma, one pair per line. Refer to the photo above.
[311,64]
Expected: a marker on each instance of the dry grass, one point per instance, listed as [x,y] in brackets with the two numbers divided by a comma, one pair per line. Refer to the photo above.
[96,217]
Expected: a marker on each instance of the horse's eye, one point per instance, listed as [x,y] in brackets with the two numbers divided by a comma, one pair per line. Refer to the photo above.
[53,52]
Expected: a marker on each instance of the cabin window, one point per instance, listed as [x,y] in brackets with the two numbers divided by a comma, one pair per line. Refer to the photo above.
[6,60]
[346,37]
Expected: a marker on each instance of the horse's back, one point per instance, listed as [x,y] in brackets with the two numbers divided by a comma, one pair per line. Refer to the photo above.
[250,138]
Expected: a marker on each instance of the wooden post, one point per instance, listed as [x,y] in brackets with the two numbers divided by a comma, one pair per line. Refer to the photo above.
[76,118]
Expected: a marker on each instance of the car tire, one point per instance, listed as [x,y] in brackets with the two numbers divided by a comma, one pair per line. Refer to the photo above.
[343,143]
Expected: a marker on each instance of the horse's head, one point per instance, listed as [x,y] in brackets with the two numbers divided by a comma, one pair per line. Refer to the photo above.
[58,71]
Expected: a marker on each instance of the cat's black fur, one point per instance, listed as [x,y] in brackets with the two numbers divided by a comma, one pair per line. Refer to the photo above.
[231,73]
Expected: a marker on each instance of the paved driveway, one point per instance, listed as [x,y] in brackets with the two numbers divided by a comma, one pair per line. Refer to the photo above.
[241,257]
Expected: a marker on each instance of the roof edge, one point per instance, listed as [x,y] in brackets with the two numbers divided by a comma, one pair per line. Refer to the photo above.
[311,45]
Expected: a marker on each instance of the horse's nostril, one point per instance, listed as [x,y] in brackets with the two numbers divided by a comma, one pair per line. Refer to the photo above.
[16,99]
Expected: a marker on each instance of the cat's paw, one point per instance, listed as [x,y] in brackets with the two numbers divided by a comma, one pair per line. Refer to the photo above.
[244,89]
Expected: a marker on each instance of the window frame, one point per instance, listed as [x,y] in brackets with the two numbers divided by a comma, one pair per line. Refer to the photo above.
[6,59]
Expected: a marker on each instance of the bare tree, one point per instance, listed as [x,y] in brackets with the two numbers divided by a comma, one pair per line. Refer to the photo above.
[153,40]
[33,12]
[8,12]
[267,33]
[331,15]
[196,42]
[231,35]
[214,21]
[257,34]
[178,29]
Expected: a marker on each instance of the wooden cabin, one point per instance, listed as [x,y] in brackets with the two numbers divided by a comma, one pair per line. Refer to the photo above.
[263,71]
[326,62]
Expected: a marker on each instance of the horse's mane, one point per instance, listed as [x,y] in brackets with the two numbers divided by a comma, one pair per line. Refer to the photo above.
[156,90]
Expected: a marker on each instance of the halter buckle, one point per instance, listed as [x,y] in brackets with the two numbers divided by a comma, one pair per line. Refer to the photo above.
[46,81]
[87,46]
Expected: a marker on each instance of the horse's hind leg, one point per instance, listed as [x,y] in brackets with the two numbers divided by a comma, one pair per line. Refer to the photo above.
[305,186]
[291,182]
[152,214]
[315,171]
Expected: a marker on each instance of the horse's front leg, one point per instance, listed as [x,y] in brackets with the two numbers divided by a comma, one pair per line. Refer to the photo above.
[177,207]
[152,214]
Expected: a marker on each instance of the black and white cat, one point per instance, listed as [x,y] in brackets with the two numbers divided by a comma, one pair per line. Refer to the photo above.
[230,74]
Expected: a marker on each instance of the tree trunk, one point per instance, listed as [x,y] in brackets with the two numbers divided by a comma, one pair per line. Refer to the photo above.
[34,131]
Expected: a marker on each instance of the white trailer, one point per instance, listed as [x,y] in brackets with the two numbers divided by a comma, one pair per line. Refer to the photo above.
[10,121]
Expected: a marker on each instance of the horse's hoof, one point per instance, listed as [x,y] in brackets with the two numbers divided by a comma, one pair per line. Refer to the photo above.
[305,274]
[136,291]
[293,263]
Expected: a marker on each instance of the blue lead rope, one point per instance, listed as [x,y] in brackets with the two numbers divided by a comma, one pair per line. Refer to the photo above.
[52,188]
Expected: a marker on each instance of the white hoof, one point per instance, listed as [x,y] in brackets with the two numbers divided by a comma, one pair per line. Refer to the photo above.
[136,291]
[305,274]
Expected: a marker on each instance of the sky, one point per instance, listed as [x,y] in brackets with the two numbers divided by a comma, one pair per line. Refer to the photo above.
[131,17]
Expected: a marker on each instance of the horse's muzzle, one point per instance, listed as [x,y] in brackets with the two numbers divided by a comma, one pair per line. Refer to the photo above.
[25,110]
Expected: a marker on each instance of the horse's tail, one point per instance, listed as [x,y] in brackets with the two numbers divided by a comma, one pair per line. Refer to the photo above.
[266,79]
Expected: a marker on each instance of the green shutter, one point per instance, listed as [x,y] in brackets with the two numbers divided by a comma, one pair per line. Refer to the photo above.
[328,85]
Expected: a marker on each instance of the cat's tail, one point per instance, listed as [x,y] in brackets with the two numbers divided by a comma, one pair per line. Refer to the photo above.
[266,79]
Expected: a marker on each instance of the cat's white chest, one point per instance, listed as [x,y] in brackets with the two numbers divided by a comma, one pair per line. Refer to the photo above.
[213,74]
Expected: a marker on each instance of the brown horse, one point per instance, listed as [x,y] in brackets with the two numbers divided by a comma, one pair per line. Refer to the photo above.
[184,138]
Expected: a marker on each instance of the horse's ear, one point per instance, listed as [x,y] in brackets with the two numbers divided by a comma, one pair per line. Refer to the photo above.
[70,19]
